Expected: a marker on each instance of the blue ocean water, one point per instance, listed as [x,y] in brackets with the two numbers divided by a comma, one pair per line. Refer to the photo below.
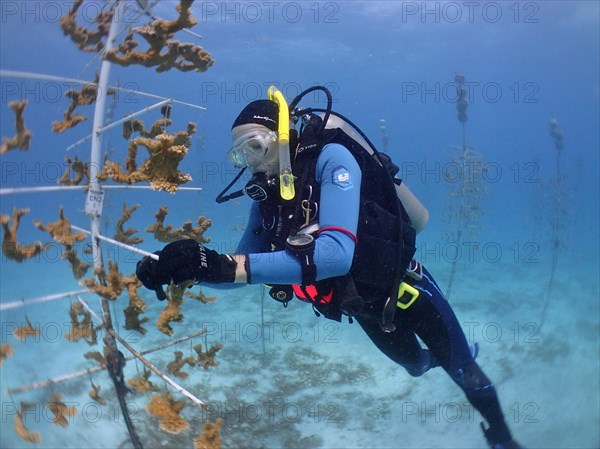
[285,377]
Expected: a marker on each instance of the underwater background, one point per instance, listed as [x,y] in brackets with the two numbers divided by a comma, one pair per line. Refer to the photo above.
[525,274]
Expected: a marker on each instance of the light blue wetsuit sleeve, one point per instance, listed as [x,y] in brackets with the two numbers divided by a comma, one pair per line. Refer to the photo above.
[254,240]
[339,176]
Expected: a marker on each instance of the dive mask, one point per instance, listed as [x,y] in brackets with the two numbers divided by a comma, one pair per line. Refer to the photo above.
[250,149]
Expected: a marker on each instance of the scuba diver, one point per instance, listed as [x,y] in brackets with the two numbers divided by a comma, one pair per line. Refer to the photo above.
[339,231]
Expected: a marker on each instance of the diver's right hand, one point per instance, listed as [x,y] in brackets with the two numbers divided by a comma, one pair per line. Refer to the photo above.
[153,278]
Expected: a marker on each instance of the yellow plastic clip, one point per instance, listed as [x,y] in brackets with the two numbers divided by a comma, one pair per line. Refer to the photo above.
[407,294]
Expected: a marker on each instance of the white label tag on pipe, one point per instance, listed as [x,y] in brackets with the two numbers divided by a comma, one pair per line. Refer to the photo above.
[94,202]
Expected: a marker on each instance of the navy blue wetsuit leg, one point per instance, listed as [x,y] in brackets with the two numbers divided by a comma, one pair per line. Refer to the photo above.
[432,319]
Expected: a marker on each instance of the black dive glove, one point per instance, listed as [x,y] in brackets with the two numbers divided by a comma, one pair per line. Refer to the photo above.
[185,260]
[148,273]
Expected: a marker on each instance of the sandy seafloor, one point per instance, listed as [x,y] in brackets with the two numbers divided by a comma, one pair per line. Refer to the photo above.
[314,383]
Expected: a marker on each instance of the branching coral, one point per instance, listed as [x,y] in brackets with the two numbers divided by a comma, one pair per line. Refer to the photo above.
[133,321]
[80,328]
[158,34]
[20,429]
[137,126]
[80,170]
[6,350]
[133,283]
[201,297]
[61,232]
[94,393]
[161,168]
[136,305]
[210,438]
[111,285]
[142,383]
[172,312]
[167,410]
[176,365]
[78,267]
[125,235]
[95,355]
[84,38]
[61,411]
[167,234]
[86,96]
[207,359]
[93,338]
[10,245]
[26,330]
[22,138]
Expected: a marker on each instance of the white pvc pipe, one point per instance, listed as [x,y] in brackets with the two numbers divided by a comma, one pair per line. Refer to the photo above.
[135,114]
[133,249]
[17,304]
[79,142]
[11,191]
[16,190]
[118,122]
[41,76]
[89,309]
[76,374]
[98,122]
[145,361]
[193,189]
[156,371]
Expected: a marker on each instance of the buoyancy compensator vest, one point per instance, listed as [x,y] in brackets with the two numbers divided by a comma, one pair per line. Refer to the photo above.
[384,234]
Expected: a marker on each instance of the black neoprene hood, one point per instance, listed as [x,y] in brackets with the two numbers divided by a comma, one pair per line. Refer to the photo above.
[262,112]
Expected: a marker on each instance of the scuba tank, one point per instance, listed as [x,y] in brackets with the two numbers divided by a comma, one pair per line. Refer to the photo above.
[416,211]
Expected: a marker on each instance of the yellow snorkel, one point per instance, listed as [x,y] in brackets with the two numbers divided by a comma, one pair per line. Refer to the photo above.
[286,178]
